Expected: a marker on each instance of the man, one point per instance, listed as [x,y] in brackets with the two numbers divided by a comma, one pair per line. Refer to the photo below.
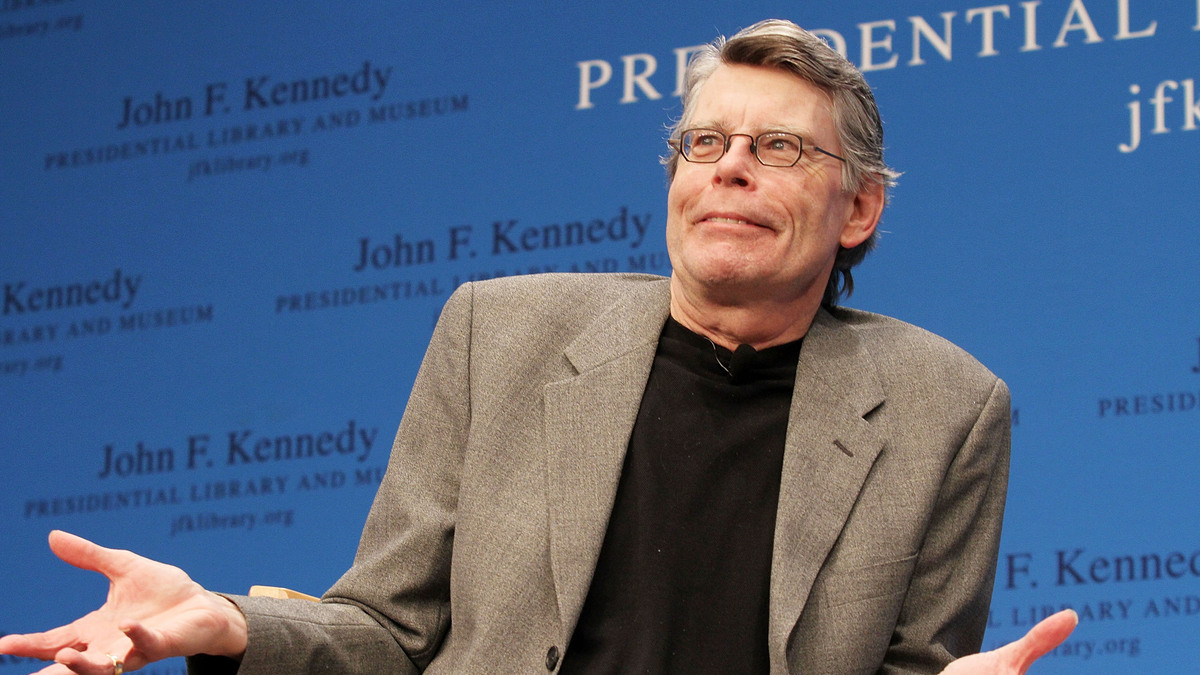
[720,472]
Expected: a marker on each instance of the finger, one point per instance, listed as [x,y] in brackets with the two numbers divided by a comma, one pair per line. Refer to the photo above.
[86,663]
[39,645]
[149,644]
[77,551]
[1045,636]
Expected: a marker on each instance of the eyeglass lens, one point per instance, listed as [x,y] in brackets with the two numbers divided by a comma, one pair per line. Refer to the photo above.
[772,148]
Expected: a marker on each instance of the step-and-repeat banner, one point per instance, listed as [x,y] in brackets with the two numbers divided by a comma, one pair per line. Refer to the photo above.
[226,230]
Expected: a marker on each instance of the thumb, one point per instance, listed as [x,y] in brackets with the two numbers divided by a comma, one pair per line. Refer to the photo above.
[1045,636]
[79,552]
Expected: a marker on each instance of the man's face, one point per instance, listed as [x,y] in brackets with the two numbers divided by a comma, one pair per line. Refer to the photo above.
[738,230]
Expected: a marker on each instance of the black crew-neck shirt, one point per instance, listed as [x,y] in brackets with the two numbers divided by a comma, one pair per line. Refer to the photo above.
[682,584]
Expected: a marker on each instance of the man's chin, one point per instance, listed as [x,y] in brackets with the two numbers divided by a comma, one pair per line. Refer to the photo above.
[732,281]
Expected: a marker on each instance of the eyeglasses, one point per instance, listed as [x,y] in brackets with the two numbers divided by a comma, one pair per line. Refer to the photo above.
[774,148]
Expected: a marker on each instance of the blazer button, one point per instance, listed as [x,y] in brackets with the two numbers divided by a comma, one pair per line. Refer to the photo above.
[552,658]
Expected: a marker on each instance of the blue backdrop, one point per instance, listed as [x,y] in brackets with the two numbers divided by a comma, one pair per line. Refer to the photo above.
[226,230]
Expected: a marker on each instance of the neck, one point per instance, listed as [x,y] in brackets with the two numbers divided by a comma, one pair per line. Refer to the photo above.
[760,323]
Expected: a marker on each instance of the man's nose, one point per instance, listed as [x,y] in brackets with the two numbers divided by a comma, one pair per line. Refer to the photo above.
[737,165]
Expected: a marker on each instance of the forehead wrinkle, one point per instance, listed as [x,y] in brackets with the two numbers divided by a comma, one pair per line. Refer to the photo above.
[756,131]
[720,123]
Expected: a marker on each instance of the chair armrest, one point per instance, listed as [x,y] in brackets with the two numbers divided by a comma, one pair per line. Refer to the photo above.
[279,592]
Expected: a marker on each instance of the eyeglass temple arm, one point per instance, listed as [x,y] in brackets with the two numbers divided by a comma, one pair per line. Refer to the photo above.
[823,151]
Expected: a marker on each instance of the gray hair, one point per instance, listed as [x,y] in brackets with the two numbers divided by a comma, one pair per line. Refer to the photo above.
[783,45]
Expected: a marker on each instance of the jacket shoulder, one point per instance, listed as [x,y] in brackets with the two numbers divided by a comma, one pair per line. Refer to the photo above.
[562,298]
[547,312]
[898,347]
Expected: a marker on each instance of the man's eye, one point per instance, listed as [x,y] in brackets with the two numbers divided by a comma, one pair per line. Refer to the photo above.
[779,144]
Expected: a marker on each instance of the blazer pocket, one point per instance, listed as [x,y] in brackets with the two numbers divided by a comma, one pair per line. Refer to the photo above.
[870,581]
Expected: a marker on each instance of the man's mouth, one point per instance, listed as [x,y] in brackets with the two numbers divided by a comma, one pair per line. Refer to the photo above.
[729,219]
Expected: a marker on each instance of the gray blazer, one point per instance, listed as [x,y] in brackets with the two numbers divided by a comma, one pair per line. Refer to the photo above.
[479,549]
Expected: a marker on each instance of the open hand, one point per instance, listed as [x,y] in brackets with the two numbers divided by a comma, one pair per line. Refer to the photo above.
[153,611]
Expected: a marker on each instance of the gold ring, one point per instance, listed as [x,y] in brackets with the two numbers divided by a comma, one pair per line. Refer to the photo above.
[118,666]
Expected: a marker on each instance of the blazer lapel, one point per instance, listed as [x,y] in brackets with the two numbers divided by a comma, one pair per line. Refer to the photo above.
[588,420]
[830,448]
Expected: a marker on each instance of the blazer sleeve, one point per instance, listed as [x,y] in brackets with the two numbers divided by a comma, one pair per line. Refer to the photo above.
[391,610]
[945,609]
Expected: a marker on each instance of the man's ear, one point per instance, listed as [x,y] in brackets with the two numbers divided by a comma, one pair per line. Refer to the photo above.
[865,209]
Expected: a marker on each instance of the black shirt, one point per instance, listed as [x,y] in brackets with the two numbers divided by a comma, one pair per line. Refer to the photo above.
[682,584]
